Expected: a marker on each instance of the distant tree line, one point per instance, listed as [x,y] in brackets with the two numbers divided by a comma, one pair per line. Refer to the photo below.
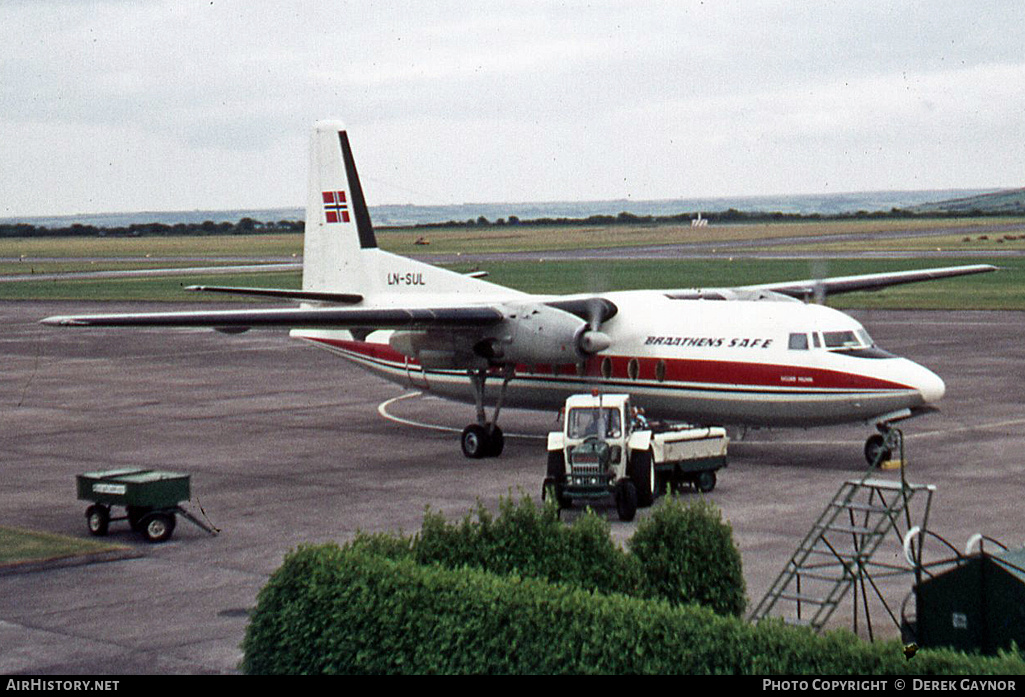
[731,215]
[248,226]
[245,226]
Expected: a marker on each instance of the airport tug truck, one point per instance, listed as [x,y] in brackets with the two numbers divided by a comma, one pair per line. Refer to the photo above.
[606,448]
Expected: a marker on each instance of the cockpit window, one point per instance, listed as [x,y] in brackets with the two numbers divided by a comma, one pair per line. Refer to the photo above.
[841,340]
[798,342]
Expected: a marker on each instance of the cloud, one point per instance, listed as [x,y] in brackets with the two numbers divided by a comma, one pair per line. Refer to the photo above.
[459,101]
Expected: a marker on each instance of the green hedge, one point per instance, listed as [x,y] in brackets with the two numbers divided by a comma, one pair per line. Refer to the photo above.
[683,552]
[333,610]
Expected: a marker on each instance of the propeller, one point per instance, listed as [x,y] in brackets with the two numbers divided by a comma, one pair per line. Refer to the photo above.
[592,340]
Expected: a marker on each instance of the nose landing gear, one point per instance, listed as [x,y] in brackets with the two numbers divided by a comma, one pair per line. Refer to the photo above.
[879,447]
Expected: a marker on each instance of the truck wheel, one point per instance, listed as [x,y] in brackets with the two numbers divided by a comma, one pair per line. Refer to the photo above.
[642,474]
[556,465]
[551,491]
[626,500]
[158,527]
[97,517]
[475,441]
[705,481]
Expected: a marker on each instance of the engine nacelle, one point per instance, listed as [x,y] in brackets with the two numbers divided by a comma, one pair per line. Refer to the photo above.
[436,349]
[537,333]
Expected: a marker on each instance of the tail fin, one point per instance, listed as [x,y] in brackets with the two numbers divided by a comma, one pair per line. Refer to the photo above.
[340,252]
[337,220]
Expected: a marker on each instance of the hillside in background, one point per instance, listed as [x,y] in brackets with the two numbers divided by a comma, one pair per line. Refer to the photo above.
[1009,201]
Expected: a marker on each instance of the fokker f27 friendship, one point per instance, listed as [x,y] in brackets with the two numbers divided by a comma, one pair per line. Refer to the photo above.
[755,356]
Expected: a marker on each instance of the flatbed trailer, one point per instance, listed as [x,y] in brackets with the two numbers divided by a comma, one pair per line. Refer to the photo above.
[151,499]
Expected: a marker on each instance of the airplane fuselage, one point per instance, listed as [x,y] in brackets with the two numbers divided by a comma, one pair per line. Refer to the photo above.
[740,362]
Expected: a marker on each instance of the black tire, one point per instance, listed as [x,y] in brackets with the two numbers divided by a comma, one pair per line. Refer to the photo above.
[158,527]
[497,442]
[642,473]
[552,490]
[135,516]
[705,481]
[97,519]
[475,442]
[876,452]
[626,500]
[556,465]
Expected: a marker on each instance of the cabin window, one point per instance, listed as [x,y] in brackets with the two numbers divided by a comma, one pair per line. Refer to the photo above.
[633,368]
[660,370]
[606,367]
[798,342]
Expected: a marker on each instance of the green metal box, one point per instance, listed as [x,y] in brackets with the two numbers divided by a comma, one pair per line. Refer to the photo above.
[134,487]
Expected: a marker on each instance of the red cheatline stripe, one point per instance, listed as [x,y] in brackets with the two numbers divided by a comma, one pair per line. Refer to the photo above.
[677,371]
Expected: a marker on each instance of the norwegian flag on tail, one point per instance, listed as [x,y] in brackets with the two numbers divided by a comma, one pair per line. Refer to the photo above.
[336,209]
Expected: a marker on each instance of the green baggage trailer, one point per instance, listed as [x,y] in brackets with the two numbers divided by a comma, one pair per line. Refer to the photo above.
[151,500]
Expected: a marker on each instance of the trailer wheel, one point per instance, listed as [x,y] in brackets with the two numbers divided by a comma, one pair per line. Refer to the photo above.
[97,517]
[626,500]
[158,527]
[135,516]
[705,481]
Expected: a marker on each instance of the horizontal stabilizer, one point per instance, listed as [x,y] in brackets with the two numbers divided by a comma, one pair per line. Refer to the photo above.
[289,318]
[318,296]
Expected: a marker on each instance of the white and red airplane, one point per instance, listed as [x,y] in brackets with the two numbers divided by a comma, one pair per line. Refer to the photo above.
[749,356]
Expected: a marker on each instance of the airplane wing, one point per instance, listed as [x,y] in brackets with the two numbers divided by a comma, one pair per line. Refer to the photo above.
[295,318]
[873,281]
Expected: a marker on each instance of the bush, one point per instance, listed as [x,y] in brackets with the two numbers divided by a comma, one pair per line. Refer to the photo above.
[329,610]
[688,556]
[530,541]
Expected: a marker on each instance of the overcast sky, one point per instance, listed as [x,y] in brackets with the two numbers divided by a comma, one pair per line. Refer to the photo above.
[139,106]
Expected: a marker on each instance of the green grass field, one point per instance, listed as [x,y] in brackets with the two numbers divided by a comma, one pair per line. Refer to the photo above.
[1001,290]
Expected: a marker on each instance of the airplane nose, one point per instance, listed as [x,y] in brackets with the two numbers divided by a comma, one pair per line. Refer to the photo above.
[929,385]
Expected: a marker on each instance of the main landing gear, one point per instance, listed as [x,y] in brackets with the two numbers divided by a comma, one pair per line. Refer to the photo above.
[484,438]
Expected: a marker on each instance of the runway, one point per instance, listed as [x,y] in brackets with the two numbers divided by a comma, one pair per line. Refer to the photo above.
[286,446]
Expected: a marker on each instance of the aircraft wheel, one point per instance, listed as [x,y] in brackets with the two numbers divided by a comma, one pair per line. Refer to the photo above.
[626,500]
[97,517]
[475,442]
[876,452]
[497,442]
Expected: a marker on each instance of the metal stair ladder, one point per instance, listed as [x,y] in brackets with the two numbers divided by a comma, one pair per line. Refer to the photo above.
[836,554]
